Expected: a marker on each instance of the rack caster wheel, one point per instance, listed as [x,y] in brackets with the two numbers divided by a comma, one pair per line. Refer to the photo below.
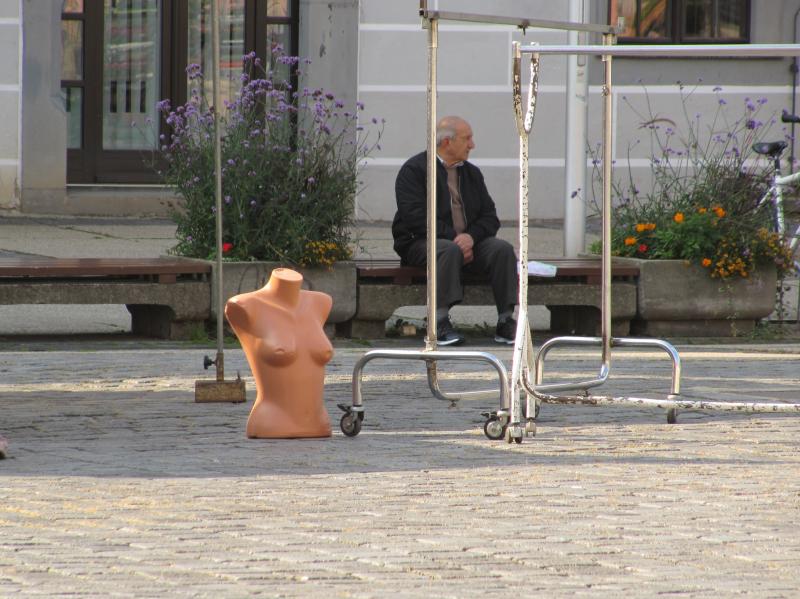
[515,438]
[351,421]
[672,416]
[350,424]
[494,429]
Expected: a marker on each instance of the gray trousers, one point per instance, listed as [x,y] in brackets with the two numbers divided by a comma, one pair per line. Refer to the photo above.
[493,258]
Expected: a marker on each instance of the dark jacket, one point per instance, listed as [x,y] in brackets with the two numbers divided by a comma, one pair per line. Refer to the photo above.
[410,222]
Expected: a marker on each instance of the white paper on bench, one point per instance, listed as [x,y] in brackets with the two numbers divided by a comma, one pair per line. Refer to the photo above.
[540,269]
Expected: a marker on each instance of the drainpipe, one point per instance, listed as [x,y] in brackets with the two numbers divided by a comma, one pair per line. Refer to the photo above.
[794,68]
[575,141]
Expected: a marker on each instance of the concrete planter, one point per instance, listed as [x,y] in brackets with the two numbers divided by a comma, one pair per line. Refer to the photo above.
[339,282]
[677,299]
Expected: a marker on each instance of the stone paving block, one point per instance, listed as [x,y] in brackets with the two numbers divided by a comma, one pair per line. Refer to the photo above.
[116,477]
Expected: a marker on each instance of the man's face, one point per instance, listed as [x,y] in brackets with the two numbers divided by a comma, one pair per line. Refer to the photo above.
[460,146]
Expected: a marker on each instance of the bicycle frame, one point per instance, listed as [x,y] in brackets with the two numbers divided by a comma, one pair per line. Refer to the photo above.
[775,195]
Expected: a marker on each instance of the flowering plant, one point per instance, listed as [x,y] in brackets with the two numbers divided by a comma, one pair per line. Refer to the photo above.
[289,166]
[702,205]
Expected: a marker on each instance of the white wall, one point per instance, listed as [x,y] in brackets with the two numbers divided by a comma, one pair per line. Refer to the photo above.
[10,86]
[474,81]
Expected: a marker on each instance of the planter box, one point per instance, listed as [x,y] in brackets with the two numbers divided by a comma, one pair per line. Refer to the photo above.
[339,282]
[676,299]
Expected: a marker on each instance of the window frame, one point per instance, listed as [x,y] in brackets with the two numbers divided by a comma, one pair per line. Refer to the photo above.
[90,163]
[676,15]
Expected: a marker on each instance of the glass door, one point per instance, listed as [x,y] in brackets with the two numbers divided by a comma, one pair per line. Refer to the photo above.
[232,45]
[112,75]
[131,74]
[260,26]
[120,57]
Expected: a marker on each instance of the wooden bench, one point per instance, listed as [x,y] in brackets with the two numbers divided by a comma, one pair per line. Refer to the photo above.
[572,295]
[167,297]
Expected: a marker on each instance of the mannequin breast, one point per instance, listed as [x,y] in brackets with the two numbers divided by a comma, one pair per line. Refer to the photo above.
[285,344]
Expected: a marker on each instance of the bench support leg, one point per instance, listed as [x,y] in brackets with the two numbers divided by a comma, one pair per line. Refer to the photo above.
[152,321]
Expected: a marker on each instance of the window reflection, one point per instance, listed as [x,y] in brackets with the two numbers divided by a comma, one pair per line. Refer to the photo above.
[130,74]
[692,20]
[231,27]
[278,43]
[731,19]
[627,10]
[72,6]
[278,8]
[73,105]
[653,19]
[698,21]
[72,50]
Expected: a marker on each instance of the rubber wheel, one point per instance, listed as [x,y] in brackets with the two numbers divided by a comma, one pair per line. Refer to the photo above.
[510,439]
[672,416]
[350,424]
[493,429]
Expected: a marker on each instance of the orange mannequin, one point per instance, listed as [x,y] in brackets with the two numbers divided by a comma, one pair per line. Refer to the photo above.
[280,329]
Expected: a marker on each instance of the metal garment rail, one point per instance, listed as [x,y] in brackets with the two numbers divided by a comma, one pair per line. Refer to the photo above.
[496,422]
[524,361]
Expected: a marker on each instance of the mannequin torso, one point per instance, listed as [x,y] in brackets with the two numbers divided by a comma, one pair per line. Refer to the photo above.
[280,328]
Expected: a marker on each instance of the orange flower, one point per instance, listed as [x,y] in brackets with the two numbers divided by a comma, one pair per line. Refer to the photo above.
[630,240]
[678,218]
[706,262]
[651,226]
[640,227]
[701,211]
[719,211]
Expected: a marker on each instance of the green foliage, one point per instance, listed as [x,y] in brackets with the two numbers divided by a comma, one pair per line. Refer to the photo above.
[703,205]
[290,170]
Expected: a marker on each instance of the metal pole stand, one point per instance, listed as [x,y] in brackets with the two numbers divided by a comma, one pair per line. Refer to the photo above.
[508,419]
[524,360]
[218,390]
[354,414]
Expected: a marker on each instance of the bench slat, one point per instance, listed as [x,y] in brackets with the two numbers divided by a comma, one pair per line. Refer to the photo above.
[94,267]
[565,268]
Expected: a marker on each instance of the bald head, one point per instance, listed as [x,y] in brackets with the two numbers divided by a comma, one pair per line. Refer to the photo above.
[453,139]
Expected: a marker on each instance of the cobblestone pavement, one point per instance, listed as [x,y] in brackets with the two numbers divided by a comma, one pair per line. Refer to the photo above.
[118,484]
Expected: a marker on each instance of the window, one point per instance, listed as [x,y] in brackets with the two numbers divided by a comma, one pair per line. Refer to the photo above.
[119,57]
[682,21]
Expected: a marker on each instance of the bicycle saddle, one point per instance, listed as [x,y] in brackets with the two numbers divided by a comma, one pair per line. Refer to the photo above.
[790,118]
[773,148]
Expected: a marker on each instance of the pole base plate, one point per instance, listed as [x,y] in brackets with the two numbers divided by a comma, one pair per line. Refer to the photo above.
[219,391]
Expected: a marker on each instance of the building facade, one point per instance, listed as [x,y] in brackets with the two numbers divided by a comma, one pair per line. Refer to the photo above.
[475,81]
[79,95]
[78,73]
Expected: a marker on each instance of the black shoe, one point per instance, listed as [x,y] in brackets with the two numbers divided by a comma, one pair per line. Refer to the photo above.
[506,331]
[446,334]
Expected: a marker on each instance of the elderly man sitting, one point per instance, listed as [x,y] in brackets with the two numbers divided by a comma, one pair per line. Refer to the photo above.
[466,225]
